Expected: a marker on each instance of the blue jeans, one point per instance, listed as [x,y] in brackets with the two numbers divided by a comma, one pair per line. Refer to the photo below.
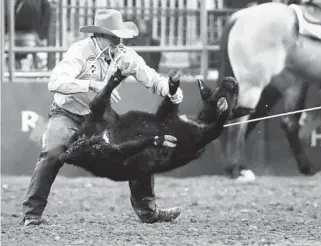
[62,124]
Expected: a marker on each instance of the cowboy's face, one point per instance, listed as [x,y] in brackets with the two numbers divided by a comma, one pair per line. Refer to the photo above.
[108,41]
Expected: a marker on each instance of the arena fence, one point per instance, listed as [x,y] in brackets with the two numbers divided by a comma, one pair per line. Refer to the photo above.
[182,26]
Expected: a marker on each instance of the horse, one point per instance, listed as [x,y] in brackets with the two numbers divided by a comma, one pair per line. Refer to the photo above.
[124,147]
[265,48]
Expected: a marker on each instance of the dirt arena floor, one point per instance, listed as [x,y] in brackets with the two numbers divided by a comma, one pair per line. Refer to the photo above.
[216,211]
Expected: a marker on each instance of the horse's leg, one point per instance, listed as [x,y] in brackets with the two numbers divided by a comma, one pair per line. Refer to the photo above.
[310,121]
[249,97]
[270,96]
[294,99]
[255,58]
[235,148]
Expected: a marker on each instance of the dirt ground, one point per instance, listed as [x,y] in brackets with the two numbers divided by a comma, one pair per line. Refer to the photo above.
[216,211]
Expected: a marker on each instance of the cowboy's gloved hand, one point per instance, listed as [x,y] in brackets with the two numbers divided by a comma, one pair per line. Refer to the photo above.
[127,60]
[177,97]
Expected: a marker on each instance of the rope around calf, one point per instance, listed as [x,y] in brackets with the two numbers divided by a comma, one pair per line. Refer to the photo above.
[273,116]
[122,49]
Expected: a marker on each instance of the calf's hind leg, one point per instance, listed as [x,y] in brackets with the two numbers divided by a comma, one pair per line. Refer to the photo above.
[101,101]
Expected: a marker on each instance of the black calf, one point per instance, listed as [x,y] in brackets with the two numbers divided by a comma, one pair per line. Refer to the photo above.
[123,146]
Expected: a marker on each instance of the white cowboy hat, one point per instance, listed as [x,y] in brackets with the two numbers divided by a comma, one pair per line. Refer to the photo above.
[111,22]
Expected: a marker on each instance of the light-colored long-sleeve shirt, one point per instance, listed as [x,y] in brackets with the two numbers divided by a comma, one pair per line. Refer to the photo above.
[71,77]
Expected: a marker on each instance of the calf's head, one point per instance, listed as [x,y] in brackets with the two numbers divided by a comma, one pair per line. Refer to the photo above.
[216,102]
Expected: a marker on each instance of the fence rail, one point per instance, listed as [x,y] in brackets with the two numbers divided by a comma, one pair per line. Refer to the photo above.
[166,48]
[175,25]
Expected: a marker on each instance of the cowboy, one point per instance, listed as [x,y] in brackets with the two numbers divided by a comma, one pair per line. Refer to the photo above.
[84,71]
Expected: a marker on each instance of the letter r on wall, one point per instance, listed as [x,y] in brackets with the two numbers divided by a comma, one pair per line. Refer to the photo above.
[28,120]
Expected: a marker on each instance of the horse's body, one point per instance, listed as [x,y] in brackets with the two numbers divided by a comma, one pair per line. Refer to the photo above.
[132,127]
[262,48]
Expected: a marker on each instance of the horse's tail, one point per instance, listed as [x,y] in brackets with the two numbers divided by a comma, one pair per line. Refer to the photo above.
[225,65]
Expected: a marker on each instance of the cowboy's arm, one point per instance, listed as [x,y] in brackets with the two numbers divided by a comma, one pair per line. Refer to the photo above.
[147,76]
[151,79]
[64,79]
[158,84]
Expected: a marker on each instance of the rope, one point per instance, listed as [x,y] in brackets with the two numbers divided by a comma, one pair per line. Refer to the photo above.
[273,116]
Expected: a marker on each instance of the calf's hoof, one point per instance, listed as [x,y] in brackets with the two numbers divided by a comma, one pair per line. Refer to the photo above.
[222,104]
[166,140]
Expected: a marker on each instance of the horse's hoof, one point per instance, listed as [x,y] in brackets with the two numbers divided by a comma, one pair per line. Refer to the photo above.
[308,171]
[246,176]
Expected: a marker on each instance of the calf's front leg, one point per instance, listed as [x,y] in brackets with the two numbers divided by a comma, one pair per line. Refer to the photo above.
[167,108]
